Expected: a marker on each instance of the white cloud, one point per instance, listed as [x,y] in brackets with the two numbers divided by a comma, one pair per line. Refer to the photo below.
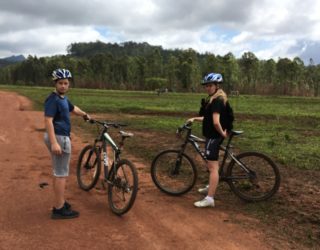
[268,28]
[242,37]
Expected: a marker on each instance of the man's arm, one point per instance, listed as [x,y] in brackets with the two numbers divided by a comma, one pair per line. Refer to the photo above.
[79,112]
[55,147]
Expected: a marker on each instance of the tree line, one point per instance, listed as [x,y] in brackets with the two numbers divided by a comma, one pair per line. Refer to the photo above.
[140,66]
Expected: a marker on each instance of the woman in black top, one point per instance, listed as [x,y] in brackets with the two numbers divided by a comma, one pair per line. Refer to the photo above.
[214,130]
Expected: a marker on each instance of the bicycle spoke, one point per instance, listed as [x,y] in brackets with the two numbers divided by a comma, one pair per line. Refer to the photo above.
[88,168]
[173,174]
[260,183]
[123,189]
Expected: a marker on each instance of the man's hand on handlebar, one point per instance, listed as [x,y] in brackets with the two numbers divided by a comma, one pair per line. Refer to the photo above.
[86,117]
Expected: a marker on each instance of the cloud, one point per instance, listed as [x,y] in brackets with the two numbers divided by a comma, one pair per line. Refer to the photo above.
[268,28]
[47,41]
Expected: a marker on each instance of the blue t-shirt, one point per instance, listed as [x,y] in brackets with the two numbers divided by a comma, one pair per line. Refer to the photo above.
[59,108]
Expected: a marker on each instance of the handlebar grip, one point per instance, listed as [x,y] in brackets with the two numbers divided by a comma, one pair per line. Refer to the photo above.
[187,124]
[85,117]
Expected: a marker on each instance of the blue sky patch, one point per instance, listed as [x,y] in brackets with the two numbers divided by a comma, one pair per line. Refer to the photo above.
[102,30]
[219,33]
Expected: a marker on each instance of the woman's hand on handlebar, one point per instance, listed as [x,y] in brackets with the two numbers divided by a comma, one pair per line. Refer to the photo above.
[191,120]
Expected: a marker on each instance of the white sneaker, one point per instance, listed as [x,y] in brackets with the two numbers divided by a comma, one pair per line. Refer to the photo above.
[204,203]
[204,190]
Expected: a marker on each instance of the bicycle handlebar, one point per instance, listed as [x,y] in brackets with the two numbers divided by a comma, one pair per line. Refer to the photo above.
[186,126]
[107,124]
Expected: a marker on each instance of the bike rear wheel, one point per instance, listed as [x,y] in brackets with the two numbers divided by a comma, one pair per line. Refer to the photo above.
[262,181]
[172,175]
[88,167]
[123,187]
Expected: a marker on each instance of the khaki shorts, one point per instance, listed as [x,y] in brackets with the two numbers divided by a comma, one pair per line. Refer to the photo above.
[61,162]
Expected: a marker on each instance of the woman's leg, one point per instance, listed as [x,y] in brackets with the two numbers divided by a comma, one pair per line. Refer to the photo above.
[213,167]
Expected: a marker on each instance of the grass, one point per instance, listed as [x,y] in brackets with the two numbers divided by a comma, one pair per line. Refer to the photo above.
[286,128]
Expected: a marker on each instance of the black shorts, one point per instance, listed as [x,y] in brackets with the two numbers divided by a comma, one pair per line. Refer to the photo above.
[212,148]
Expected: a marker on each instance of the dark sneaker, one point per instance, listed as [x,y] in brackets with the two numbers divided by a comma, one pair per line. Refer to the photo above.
[63,213]
[67,205]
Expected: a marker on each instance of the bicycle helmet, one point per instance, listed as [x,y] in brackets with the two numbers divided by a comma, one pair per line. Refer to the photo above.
[61,74]
[212,78]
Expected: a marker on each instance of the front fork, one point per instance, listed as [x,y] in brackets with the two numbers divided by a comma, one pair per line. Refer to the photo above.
[107,174]
[176,169]
[105,164]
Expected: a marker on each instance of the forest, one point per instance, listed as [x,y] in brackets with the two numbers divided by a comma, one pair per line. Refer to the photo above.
[141,66]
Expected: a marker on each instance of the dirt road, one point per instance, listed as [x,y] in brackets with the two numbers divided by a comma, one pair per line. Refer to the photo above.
[156,221]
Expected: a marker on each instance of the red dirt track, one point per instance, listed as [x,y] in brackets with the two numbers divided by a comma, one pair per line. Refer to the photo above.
[156,221]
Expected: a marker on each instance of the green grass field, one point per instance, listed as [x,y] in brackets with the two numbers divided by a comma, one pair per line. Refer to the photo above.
[285,128]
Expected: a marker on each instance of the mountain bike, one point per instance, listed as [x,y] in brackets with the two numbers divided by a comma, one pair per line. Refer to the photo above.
[121,177]
[252,176]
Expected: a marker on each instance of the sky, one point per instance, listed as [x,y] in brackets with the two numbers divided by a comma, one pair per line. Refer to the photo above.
[268,28]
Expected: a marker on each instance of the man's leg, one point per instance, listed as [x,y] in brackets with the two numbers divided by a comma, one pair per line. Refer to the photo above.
[59,185]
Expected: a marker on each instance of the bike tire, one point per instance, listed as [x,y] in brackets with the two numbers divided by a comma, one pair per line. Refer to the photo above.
[259,186]
[169,182]
[122,188]
[88,170]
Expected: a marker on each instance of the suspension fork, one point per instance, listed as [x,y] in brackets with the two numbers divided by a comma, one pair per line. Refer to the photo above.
[105,159]
[177,166]
[86,164]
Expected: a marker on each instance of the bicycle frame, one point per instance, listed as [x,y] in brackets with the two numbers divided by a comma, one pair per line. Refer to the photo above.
[106,140]
[194,140]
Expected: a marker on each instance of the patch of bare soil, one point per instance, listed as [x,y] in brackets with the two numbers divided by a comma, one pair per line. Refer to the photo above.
[293,214]
[156,221]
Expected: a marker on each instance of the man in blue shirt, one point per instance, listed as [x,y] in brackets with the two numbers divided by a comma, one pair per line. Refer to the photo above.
[57,138]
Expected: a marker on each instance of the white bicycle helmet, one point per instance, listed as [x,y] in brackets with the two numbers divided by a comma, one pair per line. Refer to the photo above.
[61,74]
[212,78]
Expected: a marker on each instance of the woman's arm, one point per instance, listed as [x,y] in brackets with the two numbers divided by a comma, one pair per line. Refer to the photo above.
[198,118]
[217,125]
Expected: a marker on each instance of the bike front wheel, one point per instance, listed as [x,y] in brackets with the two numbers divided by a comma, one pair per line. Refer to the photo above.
[258,179]
[173,173]
[88,167]
[123,187]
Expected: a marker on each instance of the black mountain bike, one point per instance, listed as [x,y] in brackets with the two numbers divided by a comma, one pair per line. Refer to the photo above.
[121,176]
[252,176]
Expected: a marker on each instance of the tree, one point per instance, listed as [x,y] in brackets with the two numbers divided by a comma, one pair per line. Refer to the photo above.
[189,72]
[230,72]
[268,76]
[154,64]
[249,65]
[172,72]
[313,77]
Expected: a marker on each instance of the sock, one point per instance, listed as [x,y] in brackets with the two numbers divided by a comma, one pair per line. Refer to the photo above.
[210,199]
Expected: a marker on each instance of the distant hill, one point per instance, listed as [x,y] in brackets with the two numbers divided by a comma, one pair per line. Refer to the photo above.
[119,50]
[11,60]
